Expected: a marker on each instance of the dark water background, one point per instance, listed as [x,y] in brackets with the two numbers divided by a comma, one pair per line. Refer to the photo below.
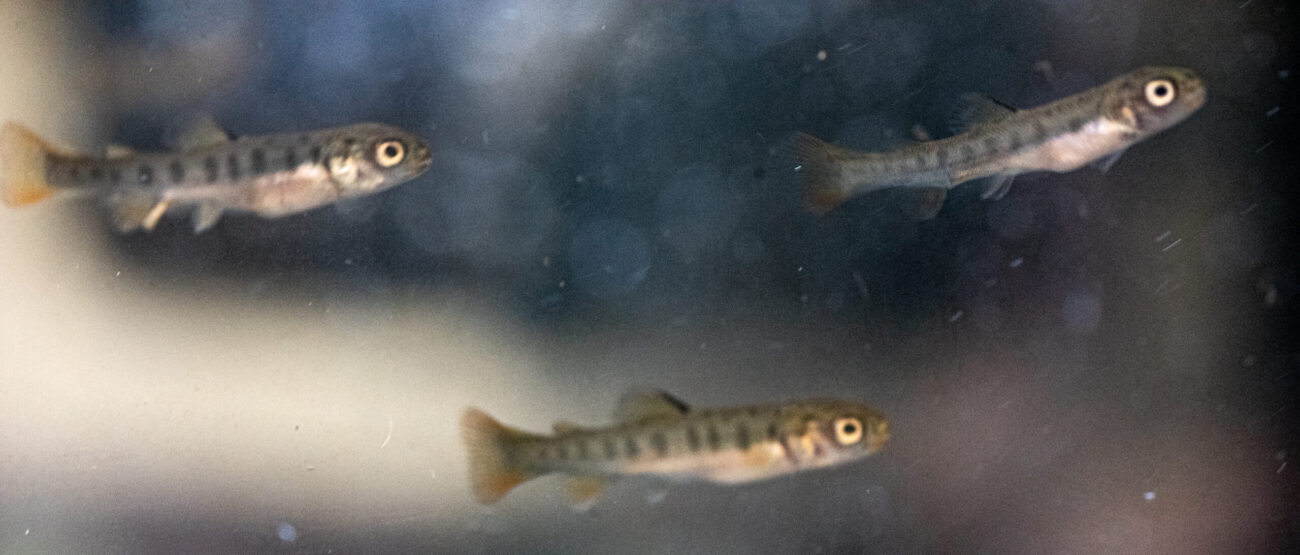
[1097,363]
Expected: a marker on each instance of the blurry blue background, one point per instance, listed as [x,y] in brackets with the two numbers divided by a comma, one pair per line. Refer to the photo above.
[1096,363]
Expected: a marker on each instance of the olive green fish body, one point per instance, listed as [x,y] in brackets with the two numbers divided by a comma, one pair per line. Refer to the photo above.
[1092,126]
[270,176]
[660,436]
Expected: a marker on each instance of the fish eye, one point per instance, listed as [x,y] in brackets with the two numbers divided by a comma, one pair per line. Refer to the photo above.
[389,153]
[848,430]
[1160,92]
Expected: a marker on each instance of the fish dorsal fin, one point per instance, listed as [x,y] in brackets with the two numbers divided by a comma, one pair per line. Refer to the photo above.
[584,491]
[974,110]
[639,405]
[117,152]
[564,427]
[200,132]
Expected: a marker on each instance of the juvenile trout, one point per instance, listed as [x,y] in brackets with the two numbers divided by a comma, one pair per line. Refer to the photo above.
[1094,126]
[270,176]
[658,434]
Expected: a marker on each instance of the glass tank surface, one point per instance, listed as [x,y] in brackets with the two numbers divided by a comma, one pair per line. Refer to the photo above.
[648,277]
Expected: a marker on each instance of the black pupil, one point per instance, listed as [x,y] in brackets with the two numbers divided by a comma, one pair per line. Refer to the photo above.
[849,428]
[1161,90]
[390,151]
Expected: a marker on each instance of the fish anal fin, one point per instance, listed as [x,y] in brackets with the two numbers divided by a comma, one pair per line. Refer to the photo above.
[205,216]
[1104,163]
[137,212]
[584,491]
[640,405]
[202,130]
[492,472]
[930,202]
[997,186]
[22,166]
[817,164]
[973,110]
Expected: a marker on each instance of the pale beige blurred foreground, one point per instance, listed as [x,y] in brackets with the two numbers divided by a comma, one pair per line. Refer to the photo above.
[124,404]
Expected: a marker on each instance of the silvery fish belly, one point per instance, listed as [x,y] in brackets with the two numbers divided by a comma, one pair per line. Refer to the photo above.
[660,435]
[993,140]
[270,176]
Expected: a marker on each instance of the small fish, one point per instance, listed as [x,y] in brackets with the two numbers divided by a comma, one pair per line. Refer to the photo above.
[660,435]
[1094,126]
[271,176]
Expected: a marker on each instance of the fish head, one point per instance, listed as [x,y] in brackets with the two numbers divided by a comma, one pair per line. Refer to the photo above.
[1152,99]
[373,157]
[829,432]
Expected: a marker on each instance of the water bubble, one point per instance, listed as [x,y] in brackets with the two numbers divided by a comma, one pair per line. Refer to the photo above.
[286,532]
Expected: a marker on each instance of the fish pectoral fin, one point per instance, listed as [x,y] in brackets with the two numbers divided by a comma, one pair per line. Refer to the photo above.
[1107,161]
[584,491]
[140,212]
[205,216]
[973,110]
[640,405]
[202,130]
[997,186]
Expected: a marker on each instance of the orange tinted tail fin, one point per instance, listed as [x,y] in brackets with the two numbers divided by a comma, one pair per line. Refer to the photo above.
[22,166]
[492,473]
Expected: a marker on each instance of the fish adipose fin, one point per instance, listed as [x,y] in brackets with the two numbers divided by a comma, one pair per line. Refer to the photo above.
[973,110]
[22,166]
[1104,164]
[584,491]
[641,405]
[492,473]
[817,163]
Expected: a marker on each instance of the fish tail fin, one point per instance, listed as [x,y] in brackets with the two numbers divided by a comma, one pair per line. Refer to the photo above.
[817,162]
[22,166]
[492,473]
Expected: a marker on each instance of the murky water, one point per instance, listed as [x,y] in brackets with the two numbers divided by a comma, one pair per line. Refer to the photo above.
[1097,363]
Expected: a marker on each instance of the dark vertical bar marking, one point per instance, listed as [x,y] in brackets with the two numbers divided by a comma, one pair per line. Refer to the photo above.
[584,451]
[315,155]
[176,171]
[290,158]
[96,174]
[258,162]
[772,431]
[210,167]
[692,438]
[610,451]
[712,436]
[561,452]
[742,436]
[659,442]
[115,175]
[232,167]
[630,446]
